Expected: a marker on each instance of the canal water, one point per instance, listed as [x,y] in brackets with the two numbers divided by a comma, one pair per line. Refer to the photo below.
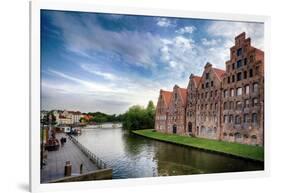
[132,156]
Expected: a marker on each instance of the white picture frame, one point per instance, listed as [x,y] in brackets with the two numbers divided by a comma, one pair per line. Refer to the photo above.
[36,6]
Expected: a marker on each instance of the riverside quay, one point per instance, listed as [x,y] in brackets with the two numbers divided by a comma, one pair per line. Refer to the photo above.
[221,104]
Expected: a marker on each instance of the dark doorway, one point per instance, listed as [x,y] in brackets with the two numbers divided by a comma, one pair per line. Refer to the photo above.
[174,129]
[189,127]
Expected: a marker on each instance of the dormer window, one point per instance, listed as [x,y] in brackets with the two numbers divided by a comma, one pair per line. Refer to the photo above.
[207,76]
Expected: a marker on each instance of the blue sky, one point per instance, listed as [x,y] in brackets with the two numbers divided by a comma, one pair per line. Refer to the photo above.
[108,62]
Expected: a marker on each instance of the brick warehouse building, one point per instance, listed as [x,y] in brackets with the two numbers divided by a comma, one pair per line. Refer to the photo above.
[223,105]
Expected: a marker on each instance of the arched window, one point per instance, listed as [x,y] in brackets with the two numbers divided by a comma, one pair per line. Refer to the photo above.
[232,92]
[225,105]
[255,87]
[247,89]
[255,102]
[239,91]
[254,118]
[247,103]
[230,118]
[225,93]
[231,105]
[237,119]
[225,117]
[238,105]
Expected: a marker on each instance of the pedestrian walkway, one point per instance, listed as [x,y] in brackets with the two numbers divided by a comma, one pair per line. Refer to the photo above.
[67,152]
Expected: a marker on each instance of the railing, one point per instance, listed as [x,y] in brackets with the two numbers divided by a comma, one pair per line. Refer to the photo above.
[95,159]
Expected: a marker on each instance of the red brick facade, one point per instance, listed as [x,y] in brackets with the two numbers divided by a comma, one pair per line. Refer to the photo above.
[223,105]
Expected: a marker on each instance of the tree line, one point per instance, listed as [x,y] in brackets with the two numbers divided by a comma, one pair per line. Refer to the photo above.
[136,117]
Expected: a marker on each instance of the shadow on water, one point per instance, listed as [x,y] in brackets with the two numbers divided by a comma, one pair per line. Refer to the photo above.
[133,156]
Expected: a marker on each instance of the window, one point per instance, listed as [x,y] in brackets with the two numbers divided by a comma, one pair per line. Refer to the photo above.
[251,73]
[233,66]
[211,106]
[231,105]
[247,89]
[245,74]
[247,103]
[254,118]
[216,106]
[232,92]
[255,102]
[246,118]
[238,91]
[206,95]
[225,105]
[211,94]
[238,105]
[255,87]
[212,83]
[207,76]
[176,96]
[233,78]
[225,93]
[245,61]
[239,76]
[216,93]
[239,52]
[237,119]
[202,86]
[239,63]
[230,119]
[225,118]
[228,79]
[207,85]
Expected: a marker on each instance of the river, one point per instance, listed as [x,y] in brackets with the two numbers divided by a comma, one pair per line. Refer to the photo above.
[132,156]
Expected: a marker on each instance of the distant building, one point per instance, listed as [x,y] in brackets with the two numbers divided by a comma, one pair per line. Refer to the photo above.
[162,110]
[222,105]
[176,111]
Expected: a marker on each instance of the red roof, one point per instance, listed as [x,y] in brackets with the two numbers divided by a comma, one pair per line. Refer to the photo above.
[183,93]
[167,95]
[219,72]
[197,80]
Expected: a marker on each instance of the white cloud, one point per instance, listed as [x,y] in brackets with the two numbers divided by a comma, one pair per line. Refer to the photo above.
[105,75]
[210,42]
[186,29]
[163,22]
[229,30]
[86,37]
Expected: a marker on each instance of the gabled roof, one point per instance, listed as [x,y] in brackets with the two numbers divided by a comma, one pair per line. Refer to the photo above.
[219,73]
[183,93]
[197,80]
[167,95]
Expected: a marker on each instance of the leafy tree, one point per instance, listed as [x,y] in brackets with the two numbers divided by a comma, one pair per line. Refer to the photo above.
[138,117]
[49,118]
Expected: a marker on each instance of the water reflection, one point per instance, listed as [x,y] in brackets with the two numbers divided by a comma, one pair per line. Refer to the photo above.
[132,156]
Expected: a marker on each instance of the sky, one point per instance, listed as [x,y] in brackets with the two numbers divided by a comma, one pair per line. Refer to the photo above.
[108,62]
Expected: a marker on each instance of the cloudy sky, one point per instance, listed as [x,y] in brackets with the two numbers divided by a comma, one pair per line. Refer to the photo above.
[105,62]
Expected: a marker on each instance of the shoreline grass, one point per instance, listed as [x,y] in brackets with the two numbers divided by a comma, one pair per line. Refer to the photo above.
[255,153]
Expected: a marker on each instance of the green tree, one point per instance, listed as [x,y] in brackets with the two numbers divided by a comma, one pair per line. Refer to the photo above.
[49,118]
[138,117]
